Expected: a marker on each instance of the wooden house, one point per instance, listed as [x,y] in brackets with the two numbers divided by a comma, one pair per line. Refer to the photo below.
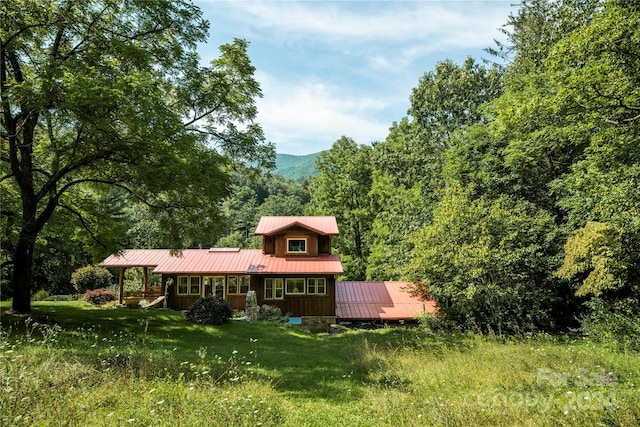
[295,269]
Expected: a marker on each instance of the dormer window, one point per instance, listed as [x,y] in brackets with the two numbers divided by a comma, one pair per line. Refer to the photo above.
[297,246]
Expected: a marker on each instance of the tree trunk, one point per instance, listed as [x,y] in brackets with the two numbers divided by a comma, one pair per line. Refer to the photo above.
[23,274]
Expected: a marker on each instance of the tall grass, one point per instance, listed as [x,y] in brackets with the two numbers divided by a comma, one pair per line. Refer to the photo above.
[134,367]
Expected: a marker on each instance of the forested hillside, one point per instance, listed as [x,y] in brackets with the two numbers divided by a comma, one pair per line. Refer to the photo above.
[509,193]
[296,167]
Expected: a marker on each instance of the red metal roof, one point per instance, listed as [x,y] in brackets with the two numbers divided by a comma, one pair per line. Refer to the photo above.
[325,225]
[324,264]
[205,261]
[378,301]
[136,258]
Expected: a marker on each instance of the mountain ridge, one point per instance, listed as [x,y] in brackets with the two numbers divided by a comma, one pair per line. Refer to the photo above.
[296,167]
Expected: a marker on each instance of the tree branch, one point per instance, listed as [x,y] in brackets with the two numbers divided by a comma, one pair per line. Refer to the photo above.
[84,224]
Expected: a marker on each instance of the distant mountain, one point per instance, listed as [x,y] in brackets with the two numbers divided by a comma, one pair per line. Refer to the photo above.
[295,167]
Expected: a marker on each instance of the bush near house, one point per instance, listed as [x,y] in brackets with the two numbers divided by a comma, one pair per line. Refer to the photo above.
[210,311]
[91,277]
[99,296]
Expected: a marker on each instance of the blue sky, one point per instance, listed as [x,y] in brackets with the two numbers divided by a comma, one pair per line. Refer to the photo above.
[333,68]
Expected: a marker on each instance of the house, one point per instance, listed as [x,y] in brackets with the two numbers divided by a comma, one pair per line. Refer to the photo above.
[295,269]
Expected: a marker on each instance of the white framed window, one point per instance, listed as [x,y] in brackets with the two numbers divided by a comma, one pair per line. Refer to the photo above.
[273,288]
[189,285]
[311,285]
[232,285]
[316,286]
[244,284]
[218,286]
[214,286]
[295,286]
[183,285]
[321,286]
[297,245]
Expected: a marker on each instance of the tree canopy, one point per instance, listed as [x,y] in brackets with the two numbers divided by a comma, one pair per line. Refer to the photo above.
[107,95]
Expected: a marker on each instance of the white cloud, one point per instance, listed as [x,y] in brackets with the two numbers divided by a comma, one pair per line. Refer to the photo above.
[337,68]
[306,116]
[449,23]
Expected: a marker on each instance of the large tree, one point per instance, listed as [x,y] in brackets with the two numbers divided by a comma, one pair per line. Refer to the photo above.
[98,94]
[342,188]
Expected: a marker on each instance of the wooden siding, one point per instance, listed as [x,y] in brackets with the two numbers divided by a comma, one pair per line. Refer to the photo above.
[295,233]
[324,245]
[268,244]
[300,305]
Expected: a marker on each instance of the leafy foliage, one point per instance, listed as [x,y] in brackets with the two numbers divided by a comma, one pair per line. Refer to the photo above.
[209,311]
[341,189]
[97,97]
[486,262]
[99,296]
[91,277]
[41,295]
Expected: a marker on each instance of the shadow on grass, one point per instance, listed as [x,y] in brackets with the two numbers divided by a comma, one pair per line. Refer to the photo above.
[162,344]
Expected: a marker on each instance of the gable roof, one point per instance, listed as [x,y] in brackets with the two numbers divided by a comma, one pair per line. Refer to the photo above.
[270,225]
[211,261]
[378,301]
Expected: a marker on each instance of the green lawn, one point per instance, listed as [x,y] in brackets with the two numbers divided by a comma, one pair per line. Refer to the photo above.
[106,366]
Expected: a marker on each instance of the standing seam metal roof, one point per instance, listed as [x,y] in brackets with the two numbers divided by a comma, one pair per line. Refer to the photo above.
[379,301]
[325,225]
[246,261]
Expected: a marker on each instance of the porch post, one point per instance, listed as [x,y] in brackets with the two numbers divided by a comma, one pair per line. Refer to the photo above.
[145,280]
[121,285]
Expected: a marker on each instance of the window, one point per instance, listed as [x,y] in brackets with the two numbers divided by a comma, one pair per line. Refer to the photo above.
[218,286]
[311,285]
[194,288]
[297,246]
[244,284]
[189,285]
[273,289]
[232,285]
[316,286]
[214,286]
[295,286]
[208,286]
[183,285]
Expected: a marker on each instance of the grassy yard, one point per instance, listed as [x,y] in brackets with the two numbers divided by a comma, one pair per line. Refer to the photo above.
[106,366]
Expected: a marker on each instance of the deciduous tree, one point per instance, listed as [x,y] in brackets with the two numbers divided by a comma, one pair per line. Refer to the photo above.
[102,94]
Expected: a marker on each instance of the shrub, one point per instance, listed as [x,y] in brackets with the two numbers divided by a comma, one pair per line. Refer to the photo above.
[99,296]
[41,295]
[210,311]
[90,277]
[270,313]
[613,322]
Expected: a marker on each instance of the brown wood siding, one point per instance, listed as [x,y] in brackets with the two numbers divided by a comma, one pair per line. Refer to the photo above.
[293,233]
[324,244]
[268,244]
[301,305]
